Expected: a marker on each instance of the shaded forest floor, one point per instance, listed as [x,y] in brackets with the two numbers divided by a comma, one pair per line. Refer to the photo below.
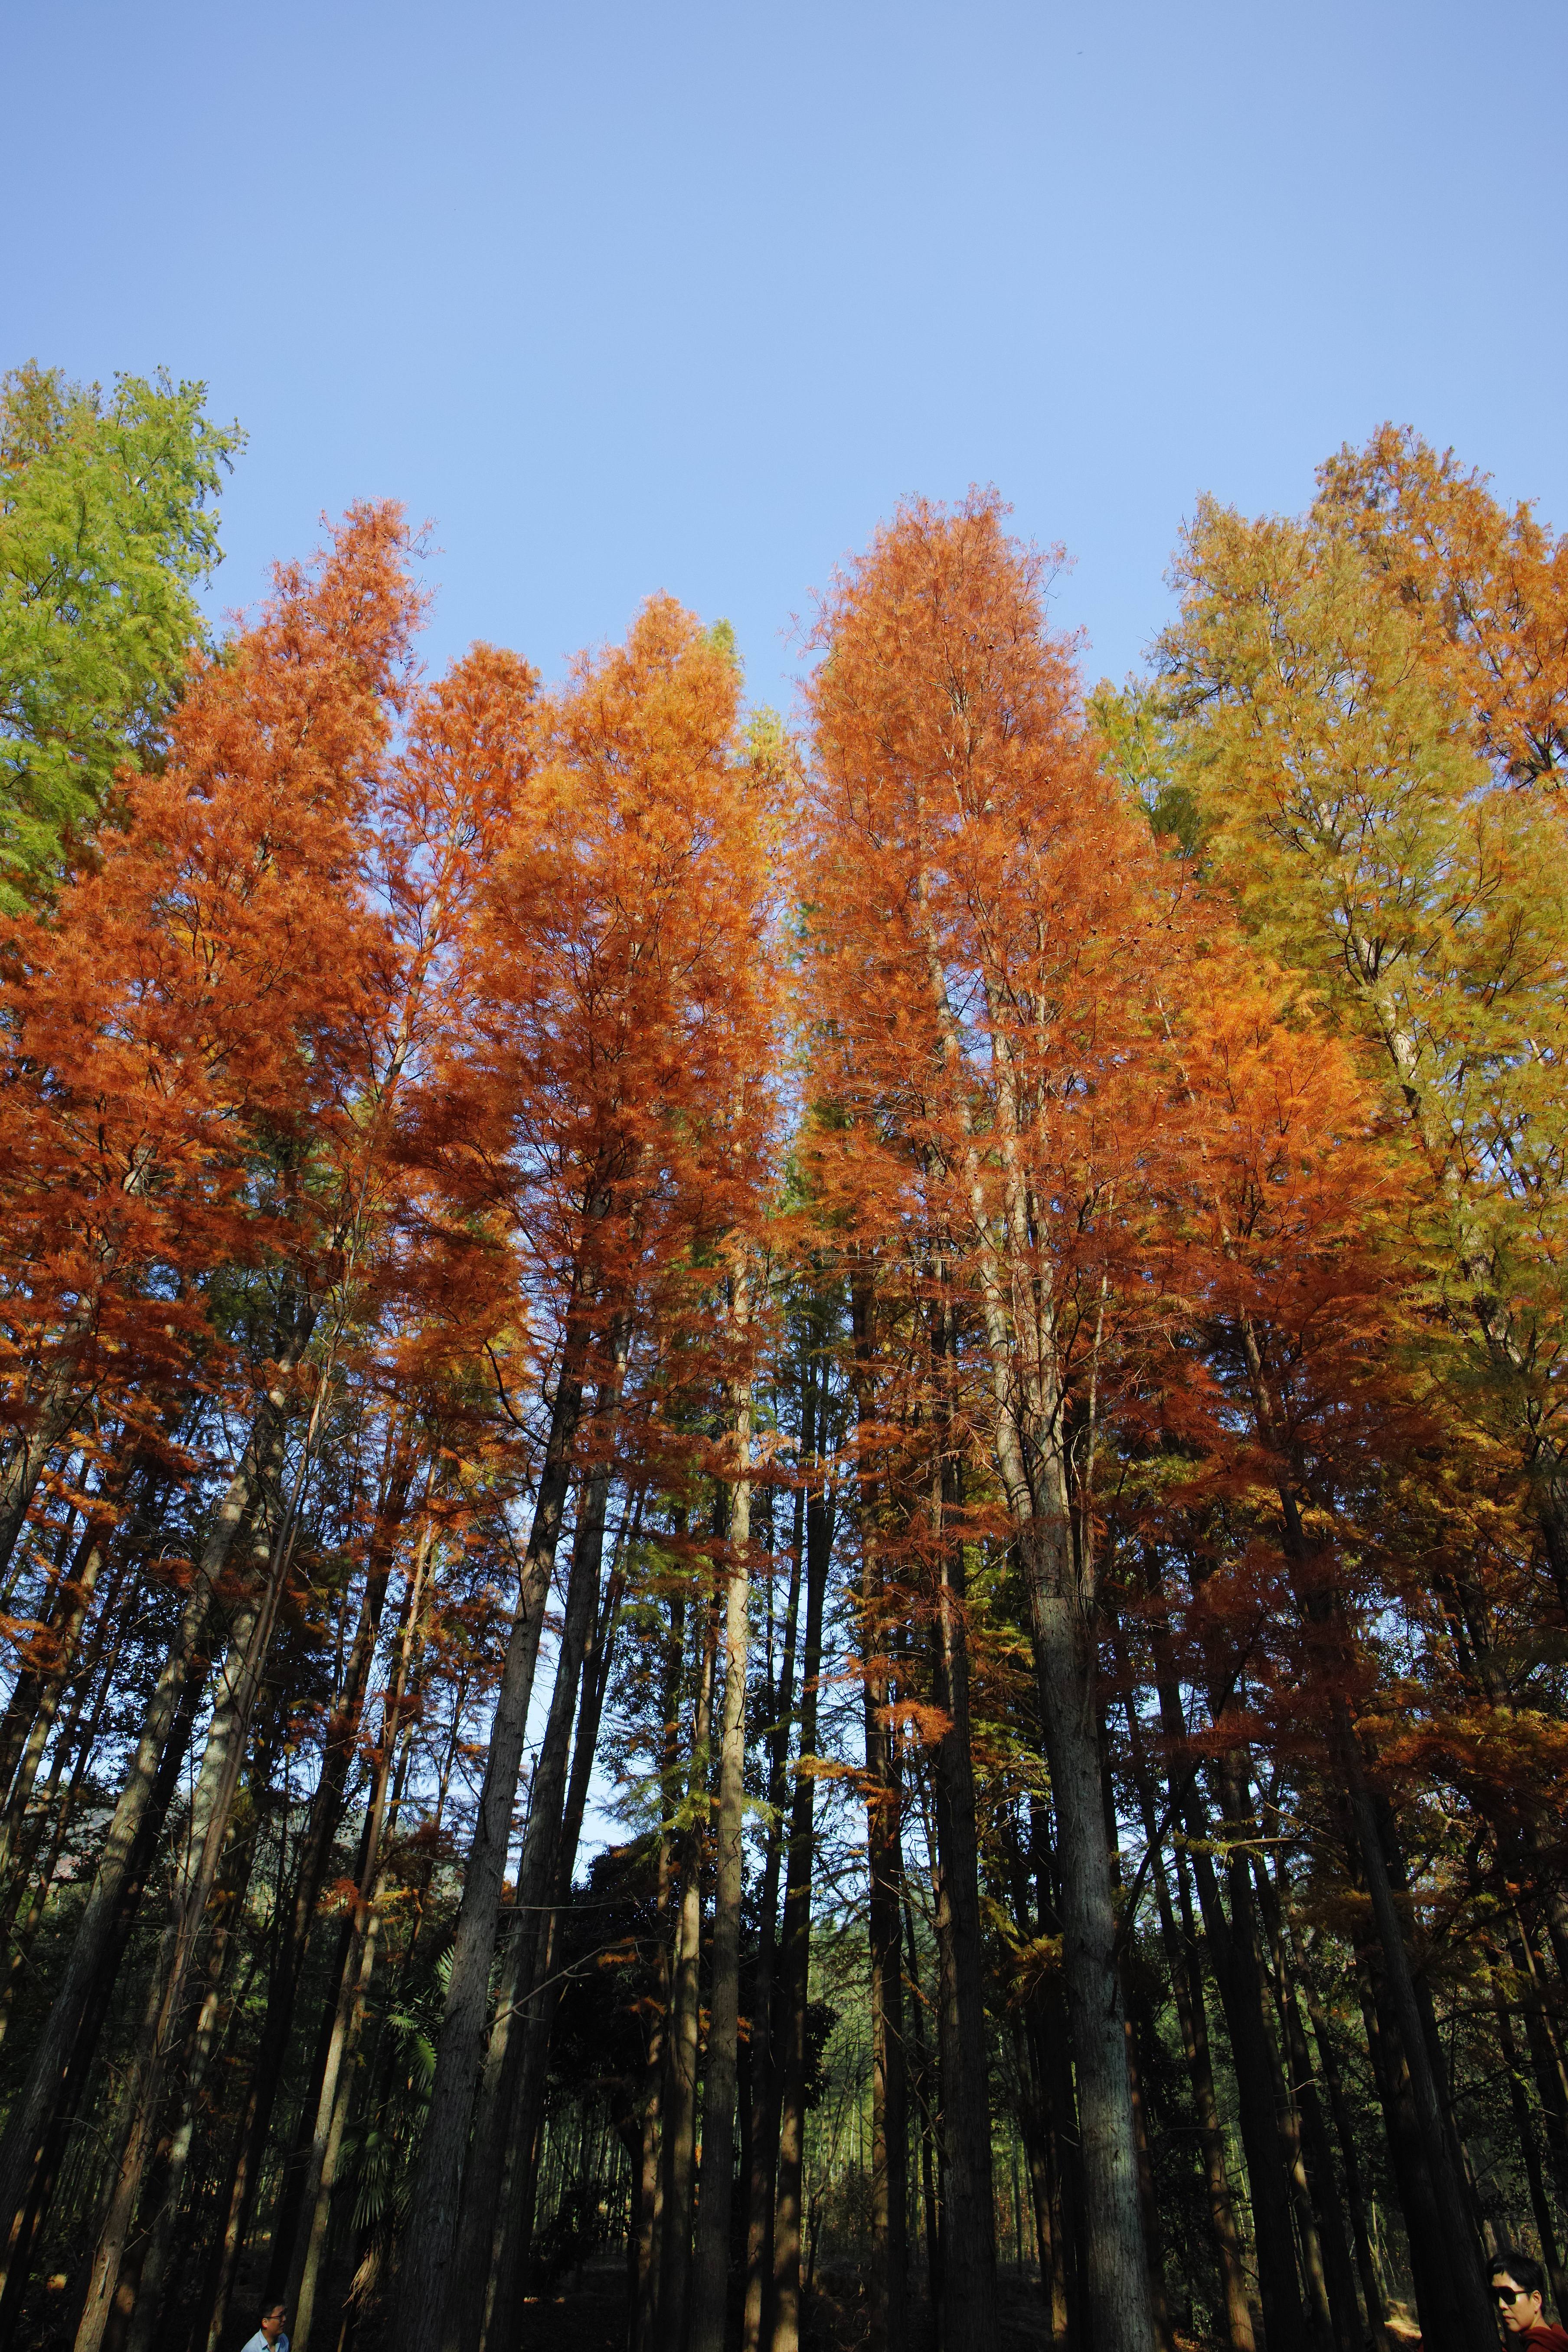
[589,2315]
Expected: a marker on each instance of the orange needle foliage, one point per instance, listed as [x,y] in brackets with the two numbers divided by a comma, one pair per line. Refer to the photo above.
[183,1035]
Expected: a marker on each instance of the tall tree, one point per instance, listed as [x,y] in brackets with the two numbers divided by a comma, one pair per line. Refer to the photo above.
[105,527]
[989,920]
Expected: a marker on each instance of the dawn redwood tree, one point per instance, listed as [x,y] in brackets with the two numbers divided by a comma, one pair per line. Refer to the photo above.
[182,1027]
[990,932]
[425,1293]
[612,1100]
[1310,1212]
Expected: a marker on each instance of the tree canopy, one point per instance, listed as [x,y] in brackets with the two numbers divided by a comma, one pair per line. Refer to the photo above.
[105,527]
[784,1524]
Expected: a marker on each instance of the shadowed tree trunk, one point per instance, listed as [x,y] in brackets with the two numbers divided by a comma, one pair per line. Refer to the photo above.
[969,2227]
[887,2316]
[710,2285]
[431,2239]
[764,2133]
[27,2124]
[794,1959]
[680,2098]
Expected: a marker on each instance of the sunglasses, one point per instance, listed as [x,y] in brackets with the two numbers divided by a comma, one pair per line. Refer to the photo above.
[1509,2294]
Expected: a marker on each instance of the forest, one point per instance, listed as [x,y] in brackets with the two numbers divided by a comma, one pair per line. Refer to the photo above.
[784,1500]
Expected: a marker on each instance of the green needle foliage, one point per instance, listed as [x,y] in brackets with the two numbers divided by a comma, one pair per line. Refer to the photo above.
[105,527]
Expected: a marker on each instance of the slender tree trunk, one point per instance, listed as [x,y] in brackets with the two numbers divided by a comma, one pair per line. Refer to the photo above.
[1239,1831]
[61,1796]
[1429,2254]
[1135,2019]
[1545,2054]
[922,2083]
[139,2294]
[37,2185]
[765,2134]
[1234,1958]
[353,1978]
[644,2330]
[432,2233]
[679,2102]
[1344,2128]
[1472,2306]
[794,1971]
[486,2306]
[27,2123]
[889,2318]
[300,1921]
[1186,1972]
[37,1691]
[58,1402]
[710,2287]
[222,1759]
[513,2236]
[1529,2148]
[1340,2277]
[969,2231]
[1187,1990]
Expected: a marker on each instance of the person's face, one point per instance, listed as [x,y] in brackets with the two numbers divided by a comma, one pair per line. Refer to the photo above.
[1516,2309]
[272,2322]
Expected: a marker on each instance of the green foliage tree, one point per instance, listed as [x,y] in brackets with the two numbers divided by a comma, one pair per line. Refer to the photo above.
[106,526]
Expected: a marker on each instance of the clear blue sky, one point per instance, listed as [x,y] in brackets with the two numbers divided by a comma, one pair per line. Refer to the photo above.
[686,297]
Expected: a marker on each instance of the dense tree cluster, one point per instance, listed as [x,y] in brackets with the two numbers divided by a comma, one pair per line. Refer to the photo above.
[793,1509]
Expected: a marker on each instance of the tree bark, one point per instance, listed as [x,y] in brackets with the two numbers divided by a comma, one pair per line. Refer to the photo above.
[679,2100]
[794,1969]
[968,2225]
[431,2238]
[713,2273]
[492,2259]
[764,2132]
[1232,1956]
[1187,1991]
[59,2116]
[27,2123]
[222,1759]
[887,2316]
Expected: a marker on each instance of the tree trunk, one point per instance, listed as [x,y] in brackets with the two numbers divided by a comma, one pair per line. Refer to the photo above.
[1187,1990]
[60,2115]
[1238,1831]
[222,1759]
[1529,2148]
[1340,2278]
[314,2205]
[487,2300]
[887,2316]
[794,1971]
[27,2122]
[968,2225]
[764,2133]
[1473,2309]
[643,2333]
[712,2273]
[139,2294]
[680,2100]
[1232,1956]
[1116,2280]
[922,2083]
[1344,2131]
[431,2237]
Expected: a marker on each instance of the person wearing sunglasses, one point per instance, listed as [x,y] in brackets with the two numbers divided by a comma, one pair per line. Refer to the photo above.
[1517,2282]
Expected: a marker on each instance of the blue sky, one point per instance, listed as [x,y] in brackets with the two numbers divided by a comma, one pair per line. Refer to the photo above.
[685,296]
